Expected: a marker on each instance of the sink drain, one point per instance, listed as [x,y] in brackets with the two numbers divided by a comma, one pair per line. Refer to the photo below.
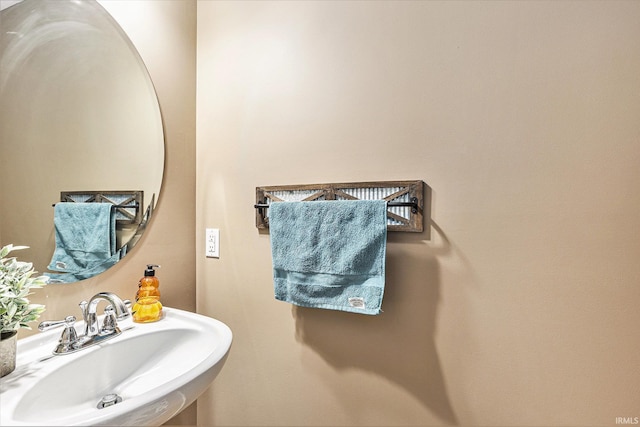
[109,400]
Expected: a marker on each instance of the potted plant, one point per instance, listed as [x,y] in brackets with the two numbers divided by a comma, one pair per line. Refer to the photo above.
[16,281]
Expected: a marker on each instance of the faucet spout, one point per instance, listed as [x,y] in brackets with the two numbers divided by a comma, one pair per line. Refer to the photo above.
[120,308]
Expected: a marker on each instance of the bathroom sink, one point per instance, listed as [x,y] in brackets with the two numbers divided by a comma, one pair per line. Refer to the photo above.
[155,369]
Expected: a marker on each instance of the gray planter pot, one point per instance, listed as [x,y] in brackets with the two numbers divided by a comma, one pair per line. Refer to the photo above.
[8,342]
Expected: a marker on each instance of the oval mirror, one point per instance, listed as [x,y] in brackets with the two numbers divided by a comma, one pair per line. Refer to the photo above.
[79,122]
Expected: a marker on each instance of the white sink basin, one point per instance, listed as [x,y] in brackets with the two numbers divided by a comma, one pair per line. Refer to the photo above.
[156,368]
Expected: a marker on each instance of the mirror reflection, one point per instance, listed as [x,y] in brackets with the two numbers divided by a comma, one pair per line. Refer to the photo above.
[80,125]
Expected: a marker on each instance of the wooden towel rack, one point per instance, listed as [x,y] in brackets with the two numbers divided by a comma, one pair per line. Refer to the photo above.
[128,204]
[405,199]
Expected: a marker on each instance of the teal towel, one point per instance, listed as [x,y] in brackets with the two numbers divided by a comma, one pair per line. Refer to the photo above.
[85,236]
[330,254]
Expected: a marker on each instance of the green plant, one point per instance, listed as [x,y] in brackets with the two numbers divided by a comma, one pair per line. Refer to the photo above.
[16,281]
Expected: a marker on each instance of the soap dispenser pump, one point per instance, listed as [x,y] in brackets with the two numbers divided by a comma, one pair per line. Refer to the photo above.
[148,307]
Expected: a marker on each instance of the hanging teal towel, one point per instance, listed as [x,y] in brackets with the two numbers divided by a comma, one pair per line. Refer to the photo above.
[330,254]
[85,237]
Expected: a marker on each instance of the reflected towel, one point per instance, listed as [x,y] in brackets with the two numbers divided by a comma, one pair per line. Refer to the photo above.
[84,274]
[85,236]
[330,254]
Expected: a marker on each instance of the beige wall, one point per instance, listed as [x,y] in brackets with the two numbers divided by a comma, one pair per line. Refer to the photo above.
[164,34]
[522,307]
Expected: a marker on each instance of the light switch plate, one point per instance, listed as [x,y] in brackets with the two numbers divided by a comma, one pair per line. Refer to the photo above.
[213,243]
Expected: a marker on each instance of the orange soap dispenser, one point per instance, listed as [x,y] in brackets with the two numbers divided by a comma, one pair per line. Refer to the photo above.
[148,307]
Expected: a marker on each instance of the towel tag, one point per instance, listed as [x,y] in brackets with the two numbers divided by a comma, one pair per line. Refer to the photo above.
[356,302]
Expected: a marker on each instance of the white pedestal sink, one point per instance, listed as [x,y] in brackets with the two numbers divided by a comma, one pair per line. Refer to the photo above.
[156,369]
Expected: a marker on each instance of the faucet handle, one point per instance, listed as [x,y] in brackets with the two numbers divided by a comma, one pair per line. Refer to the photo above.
[109,323]
[50,324]
[69,336]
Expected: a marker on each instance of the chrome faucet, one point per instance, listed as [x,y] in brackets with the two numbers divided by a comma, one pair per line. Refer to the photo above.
[118,308]
[71,342]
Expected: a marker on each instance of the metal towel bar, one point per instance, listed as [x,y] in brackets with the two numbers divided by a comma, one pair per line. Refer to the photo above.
[413,204]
